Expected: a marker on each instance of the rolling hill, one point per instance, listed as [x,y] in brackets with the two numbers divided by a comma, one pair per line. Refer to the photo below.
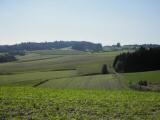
[68,84]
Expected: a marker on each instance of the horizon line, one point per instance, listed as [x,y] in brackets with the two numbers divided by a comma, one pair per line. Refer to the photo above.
[17,43]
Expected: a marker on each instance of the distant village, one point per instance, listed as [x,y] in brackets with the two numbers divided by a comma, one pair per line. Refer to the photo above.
[118,46]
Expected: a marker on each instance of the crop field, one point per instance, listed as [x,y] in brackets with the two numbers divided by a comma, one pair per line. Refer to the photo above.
[63,71]
[59,52]
[60,71]
[54,62]
[33,78]
[69,85]
[38,103]
[34,57]
[103,82]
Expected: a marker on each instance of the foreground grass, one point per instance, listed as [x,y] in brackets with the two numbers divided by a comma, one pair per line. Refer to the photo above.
[37,103]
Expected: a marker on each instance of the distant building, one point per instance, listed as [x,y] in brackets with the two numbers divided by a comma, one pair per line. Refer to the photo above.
[118,45]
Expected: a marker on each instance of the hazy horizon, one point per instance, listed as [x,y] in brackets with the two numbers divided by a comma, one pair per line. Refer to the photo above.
[79,41]
[98,21]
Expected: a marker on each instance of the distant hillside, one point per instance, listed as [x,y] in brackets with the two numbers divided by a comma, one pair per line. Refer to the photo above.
[31,46]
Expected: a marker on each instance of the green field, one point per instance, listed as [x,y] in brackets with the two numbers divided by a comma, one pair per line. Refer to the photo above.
[67,84]
[59,70]
[151,77]
[33,78]
[86,82]
[35,103]
[58,63]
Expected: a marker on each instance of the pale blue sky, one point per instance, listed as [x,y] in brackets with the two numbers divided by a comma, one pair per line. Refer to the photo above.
[104,21]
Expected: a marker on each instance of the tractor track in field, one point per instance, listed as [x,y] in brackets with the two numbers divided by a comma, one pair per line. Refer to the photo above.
[120,79]
[44,81]
[36,85]
[37,59]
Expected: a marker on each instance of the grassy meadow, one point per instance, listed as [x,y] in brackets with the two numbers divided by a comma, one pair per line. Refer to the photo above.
[151,77]
[67,84]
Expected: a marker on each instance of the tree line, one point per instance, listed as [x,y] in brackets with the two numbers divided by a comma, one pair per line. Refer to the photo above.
[31,46]
[144,59]
[10,56]
[7,58]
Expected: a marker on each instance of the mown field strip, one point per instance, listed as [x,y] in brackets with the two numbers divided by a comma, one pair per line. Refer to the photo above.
[63,62]
[86,82]
[36,59]
[32,78]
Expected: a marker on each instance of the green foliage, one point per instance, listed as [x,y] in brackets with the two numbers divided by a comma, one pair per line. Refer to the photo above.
[17,52]
[7,58]
[144,83]
[144,59]
[34,103]
[104,69]
[31,46]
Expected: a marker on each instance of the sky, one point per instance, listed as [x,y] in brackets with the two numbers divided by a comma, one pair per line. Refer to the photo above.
[98,21]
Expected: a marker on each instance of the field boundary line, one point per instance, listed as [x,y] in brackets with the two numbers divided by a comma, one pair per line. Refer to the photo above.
[41,83]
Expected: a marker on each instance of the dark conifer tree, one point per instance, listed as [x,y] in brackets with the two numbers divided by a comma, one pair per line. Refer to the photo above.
[104,69]
[144,59]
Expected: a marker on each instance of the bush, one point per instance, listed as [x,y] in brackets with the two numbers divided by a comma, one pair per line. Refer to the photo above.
[7,58]
[104,69]
[142,83]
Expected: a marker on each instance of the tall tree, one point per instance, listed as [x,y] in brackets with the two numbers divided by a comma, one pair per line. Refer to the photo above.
[144,59]
[104,69]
